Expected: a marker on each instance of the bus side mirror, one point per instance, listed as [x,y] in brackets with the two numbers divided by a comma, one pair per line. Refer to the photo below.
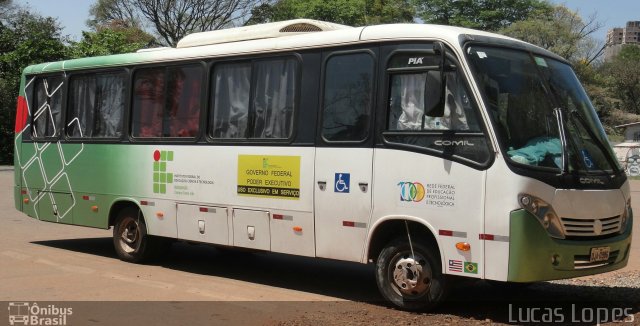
[436,84]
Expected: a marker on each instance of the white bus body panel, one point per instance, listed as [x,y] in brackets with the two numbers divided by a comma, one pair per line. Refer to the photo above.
[453,201]
[342,214]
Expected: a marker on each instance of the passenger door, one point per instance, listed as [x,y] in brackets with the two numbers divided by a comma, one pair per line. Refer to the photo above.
[344,157]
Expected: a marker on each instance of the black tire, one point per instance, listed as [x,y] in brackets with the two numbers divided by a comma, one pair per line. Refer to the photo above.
[398,281]
[131,241]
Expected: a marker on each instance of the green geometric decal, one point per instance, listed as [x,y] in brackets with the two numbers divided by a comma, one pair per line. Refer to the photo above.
[160,176]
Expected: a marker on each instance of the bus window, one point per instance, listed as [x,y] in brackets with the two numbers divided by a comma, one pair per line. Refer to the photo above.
[231,100]
[148,102]
[167,101]
[273,98]
[407,102]
[254,100]
[48,106]
[184,99]
[347,97]
[96,106]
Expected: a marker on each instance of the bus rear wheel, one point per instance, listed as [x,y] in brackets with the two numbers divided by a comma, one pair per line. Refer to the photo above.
[131,241]
[410,280]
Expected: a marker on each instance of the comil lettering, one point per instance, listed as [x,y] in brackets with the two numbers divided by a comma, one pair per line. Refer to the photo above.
[415,61]
[453,143]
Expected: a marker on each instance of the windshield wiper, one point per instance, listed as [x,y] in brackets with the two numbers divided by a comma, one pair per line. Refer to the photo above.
[597,140]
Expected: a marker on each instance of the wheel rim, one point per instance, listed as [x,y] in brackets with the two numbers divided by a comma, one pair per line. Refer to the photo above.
[411,275]
[130,236]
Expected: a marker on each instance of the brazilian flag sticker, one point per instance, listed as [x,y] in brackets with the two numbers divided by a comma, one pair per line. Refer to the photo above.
[471,268]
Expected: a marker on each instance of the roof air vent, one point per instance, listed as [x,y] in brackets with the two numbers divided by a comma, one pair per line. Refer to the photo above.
[300,28]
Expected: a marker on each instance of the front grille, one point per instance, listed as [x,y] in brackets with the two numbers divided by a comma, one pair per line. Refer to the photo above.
[574,227]
[582,261]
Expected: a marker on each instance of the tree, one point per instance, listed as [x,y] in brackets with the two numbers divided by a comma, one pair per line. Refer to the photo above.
[171,20]
[624,78]
[106,40]
[563,32]
[347,12]
[25,38]
[488,15]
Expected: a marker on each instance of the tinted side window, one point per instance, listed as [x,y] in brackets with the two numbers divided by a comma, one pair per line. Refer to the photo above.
[96,106]
[185,88]
[231,100]
[273,98]
[47,103]
[412,95]
[148,102]
[167,101]
[347,99]
[254,100]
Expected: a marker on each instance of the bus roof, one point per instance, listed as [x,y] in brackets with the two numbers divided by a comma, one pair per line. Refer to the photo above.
[232,43]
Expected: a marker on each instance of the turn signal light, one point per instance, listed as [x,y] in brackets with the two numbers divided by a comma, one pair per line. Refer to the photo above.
[26,200]
[297,229]
[160,214]
[94,208]
[464,246]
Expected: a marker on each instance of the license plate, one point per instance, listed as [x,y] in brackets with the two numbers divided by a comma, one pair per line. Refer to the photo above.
[599,254]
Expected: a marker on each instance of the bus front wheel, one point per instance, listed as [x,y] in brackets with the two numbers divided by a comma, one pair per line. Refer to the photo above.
[410,279]
[131,241]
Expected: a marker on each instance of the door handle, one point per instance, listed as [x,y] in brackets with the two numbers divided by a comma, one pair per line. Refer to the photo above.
[364,186]
[322,185]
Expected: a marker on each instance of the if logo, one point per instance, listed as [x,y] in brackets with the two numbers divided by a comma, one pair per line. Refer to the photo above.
[161,178]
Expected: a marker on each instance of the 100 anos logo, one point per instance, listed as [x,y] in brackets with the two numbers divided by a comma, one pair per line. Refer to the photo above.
[411,191]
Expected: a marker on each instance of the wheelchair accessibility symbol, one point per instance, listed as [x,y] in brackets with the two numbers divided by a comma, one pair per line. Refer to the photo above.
[341,183]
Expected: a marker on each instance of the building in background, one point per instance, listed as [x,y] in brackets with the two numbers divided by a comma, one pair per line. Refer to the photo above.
[619,36]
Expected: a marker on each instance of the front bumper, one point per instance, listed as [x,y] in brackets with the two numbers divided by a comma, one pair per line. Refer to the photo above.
[531,250]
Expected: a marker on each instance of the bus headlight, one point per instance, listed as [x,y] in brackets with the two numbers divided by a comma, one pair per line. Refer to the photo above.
[545,214]
[626,216]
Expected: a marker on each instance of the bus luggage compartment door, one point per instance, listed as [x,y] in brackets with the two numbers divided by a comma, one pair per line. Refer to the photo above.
[205,224]
[251,229]
[55,207]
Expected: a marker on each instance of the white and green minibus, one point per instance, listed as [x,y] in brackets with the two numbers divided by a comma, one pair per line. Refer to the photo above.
[429,151]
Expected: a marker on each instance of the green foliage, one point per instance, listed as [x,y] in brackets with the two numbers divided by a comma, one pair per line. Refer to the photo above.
[106,41]
[563,32]
[25,38]
[624,78]
[488,15]
[347,12]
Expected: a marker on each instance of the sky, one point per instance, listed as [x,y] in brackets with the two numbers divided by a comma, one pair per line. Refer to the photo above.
[72,14]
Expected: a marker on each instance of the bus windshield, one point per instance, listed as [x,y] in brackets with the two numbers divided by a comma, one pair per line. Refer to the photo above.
[542,115]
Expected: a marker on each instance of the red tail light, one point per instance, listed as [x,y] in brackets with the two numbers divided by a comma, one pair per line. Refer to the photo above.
[22,113]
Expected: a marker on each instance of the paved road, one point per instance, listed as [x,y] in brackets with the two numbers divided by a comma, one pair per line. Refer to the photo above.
[42,261]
